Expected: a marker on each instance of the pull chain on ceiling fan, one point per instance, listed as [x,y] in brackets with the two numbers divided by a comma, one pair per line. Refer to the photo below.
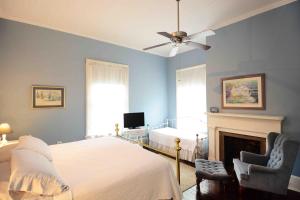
[180,37]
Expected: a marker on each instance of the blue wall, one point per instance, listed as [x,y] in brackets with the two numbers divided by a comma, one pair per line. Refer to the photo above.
[183,60]
[267,43]
[33,55]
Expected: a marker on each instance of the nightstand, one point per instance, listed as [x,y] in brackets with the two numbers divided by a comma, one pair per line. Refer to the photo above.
[10,143]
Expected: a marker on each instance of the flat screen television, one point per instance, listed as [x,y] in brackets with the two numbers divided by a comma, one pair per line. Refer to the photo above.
[134,120]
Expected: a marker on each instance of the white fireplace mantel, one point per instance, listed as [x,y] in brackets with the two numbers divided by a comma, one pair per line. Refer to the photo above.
[243,124]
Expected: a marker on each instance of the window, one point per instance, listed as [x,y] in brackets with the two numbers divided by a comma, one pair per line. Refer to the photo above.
[107,96]
[191,98]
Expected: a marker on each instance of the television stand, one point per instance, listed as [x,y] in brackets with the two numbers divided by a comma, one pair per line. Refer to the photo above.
[136,134]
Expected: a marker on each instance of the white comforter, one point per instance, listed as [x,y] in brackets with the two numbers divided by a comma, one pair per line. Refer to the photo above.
[107,169]
[113,169]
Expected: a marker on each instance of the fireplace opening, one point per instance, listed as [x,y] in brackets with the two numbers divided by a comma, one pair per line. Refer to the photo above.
[231,144]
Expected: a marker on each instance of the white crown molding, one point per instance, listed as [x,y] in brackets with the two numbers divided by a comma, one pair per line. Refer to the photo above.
[73,33]
[294,183]
[214,27]
[249,15]
[252,13]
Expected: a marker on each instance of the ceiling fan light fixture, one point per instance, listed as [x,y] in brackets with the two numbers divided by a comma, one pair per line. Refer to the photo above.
[181,37]
[173,51]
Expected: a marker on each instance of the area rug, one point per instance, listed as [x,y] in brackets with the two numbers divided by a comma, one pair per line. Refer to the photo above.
[187,174]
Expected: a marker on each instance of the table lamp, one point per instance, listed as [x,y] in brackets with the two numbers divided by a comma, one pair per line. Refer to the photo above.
[4,129]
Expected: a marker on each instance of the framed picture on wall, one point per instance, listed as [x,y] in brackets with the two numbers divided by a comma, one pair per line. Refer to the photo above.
[48,96]
[244,92]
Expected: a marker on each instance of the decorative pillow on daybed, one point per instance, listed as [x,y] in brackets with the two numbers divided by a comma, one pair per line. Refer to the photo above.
[33,173]
[36,145]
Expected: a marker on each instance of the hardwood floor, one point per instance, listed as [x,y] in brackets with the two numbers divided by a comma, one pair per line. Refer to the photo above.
[211,190]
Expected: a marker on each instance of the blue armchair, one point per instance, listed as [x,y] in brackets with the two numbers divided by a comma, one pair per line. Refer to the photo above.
[270,172]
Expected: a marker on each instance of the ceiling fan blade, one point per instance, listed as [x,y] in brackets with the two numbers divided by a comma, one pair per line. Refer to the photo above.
[173,51]
[168,35]
[197,45]
[159,45]
[205,33]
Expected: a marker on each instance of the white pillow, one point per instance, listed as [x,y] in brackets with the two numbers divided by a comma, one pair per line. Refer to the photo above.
[33,173]
[35,144]
[5,152]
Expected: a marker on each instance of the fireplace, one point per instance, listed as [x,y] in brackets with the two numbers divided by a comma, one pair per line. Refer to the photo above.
[256,127]
[231,144]
[243,126]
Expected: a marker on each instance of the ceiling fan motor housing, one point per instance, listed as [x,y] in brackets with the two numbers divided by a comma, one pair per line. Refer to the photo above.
[178,36]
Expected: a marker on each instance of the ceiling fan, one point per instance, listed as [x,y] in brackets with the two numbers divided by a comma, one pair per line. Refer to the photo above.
[179,38]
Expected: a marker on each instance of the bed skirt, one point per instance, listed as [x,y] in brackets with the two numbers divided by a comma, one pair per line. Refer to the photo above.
[200,152]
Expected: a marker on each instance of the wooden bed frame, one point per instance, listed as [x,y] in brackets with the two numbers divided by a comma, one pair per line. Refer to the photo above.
[146,146]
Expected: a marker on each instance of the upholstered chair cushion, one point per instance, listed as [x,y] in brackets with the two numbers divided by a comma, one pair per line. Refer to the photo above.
[276,157]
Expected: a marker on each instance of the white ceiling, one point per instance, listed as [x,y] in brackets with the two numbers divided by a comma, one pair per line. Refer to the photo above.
[132,23]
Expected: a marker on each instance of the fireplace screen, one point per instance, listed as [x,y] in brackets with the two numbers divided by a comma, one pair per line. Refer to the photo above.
[231,145]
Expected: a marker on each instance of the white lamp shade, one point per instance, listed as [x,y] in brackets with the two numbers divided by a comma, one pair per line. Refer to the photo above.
[5,128]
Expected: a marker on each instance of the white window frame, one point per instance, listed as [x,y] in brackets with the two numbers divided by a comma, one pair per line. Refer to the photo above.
[183,69]
[89,64]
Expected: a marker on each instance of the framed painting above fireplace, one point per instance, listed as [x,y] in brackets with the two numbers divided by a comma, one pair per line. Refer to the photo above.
[244,92]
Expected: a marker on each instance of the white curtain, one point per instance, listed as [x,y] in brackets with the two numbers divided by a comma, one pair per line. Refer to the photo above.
[191,99]
[107,96]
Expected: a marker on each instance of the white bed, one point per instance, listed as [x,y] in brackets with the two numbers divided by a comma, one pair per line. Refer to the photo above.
[163,139]
[109,168]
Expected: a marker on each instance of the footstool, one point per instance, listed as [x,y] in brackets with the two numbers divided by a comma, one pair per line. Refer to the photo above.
[210,170]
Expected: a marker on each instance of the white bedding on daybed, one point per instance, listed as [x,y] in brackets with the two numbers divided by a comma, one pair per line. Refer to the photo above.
[164,138]
[109,168]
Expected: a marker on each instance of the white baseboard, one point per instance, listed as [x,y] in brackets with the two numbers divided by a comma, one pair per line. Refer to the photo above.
[294,183]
